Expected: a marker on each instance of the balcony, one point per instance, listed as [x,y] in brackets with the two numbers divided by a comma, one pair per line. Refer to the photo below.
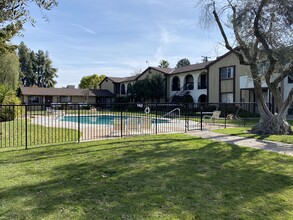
[201,86]
[188,86]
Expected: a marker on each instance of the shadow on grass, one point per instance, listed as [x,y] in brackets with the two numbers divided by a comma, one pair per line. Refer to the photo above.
[176,178]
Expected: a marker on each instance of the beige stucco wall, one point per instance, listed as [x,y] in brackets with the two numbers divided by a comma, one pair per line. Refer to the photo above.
[213,85]
[149,73]
[227,85]
[107,84]
[56,99]
[82,99]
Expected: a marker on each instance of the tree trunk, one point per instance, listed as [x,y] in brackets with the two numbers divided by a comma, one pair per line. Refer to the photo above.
[274,125]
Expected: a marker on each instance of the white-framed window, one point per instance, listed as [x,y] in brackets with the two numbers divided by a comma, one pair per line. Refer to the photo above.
[227,72]
[227,97]
[65,99]
[290,79]
[35,99]
[262,67]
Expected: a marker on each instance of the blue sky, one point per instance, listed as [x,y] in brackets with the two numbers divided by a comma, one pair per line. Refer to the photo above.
[116,38]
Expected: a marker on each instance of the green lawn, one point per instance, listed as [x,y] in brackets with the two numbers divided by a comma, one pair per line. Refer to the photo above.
[146,177]
[12,134]
[243,132]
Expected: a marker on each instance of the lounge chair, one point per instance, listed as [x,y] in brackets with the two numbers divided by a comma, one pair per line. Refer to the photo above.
[50,110]
[212,118]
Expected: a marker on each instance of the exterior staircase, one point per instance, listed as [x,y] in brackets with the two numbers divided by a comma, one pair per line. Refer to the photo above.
[180,93]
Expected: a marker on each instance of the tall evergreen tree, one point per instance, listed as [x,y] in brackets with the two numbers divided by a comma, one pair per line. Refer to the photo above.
[36,68]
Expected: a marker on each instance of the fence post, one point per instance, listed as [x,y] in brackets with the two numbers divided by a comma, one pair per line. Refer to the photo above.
[187,118]
[78,124]
[201,109]
[156,118]
[121,122]
[26,130]
[225,110]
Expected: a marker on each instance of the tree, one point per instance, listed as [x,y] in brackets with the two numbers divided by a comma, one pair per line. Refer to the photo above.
[45,72]
[13,14]
[9,69]
[36,68]
[262,30]
[91,82]
[164,64]
[156,86]
[139,90]
[151,87]
[8,97]
[182,62]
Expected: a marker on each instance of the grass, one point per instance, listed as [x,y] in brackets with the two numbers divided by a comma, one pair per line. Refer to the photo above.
[243,122]
[243,132]
[146,177]
[13,134]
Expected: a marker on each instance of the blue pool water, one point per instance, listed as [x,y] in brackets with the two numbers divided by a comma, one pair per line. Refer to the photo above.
[101,119]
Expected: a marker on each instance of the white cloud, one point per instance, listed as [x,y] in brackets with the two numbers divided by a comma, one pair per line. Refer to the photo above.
[84,28]
[165,37]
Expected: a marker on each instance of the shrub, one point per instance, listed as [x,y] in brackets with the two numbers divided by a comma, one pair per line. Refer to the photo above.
[8,97]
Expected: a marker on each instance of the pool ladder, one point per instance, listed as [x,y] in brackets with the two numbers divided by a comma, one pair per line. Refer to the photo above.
[175,109]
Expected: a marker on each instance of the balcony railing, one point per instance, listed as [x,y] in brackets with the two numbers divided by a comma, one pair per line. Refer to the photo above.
[189,86]
[201,86]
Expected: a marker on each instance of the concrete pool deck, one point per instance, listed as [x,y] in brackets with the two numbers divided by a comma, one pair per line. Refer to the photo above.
[95,132]
[102,131]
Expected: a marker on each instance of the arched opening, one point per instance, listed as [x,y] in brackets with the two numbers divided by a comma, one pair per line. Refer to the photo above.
[202,81]
[176,84]
[183,99]
[122,89]
[189,82]
[202,99]
[187,99]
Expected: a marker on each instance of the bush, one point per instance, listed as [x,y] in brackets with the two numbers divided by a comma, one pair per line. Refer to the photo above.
[8,97]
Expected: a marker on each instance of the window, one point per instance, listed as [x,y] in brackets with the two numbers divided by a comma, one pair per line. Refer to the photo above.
[290,79]
[227,72]
[176,84]
[202,81]
[65,99]
[116,88]
[189,85]
[262,67]
[227,97]
[34,99]
[123,89]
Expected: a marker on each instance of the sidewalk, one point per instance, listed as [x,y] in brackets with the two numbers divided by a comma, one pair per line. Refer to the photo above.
[278,147]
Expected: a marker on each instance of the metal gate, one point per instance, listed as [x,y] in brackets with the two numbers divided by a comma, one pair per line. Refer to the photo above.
[193,120]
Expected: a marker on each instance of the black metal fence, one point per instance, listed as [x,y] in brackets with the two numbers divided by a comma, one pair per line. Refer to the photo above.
[28,125]
[231,114]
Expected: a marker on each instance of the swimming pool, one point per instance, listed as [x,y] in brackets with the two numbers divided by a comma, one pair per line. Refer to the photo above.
[102,119]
